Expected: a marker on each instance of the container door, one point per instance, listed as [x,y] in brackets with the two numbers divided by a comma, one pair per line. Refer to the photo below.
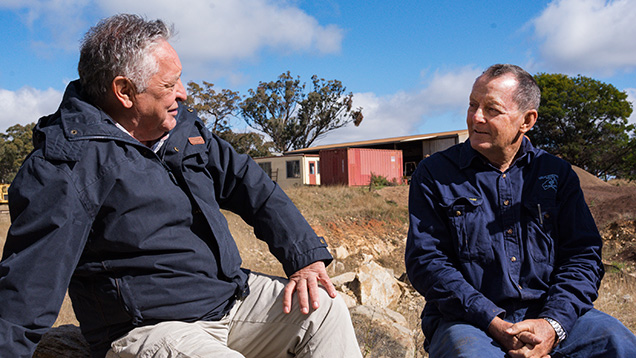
[312,173]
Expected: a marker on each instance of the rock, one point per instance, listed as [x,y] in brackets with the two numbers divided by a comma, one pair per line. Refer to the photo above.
[336,268]
[343,279]
[349,301]
[382,333]
[63,341]
[340,253]
[375,286]
[339,267]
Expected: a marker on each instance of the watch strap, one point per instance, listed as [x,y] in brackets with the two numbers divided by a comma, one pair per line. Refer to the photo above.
[560,332]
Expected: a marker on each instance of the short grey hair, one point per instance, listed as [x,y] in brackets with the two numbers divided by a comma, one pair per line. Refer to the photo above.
[120,45]
[528,94]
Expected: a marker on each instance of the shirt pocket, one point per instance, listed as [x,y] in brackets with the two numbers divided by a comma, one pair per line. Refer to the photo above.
[540,229]
[471,239]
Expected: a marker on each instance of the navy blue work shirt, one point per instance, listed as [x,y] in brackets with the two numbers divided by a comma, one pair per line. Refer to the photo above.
[484,243]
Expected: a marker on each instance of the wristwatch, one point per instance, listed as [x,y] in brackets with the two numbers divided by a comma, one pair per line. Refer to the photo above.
[560,332]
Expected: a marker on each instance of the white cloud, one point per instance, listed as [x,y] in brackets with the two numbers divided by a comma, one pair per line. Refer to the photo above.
[227,30]
[27,105]
[213,36]
[631,96]
[405,113]
[588,35]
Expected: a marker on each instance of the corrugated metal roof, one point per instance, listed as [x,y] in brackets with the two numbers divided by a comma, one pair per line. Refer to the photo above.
[380,141]
[289,155]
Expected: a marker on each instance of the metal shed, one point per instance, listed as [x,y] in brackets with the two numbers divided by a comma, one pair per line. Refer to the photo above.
[354,166]
[414,147]
[292,170]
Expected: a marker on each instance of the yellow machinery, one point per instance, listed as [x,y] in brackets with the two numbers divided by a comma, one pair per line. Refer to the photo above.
[4,195]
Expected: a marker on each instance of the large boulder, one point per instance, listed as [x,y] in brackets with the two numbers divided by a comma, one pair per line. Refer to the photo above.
[375,286]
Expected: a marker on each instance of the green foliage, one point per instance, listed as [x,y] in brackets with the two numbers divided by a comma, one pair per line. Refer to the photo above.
[280,109]
[379,182]
[250,143]
[584,121]
[15,145]
[295,119]
[214,108]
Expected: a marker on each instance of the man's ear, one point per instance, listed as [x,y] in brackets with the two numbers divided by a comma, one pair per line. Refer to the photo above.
[529,119]
[124,91]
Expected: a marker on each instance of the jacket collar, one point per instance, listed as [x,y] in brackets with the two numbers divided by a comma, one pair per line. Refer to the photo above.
[64,133]
[78,119]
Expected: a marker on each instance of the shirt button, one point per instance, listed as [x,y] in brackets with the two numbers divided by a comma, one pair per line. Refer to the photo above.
[504,176]
[458,213]
[513,259]
[506,202]
[509,231]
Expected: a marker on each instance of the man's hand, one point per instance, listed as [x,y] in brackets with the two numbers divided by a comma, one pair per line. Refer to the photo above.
[537,335]
[305,283]
[498,330]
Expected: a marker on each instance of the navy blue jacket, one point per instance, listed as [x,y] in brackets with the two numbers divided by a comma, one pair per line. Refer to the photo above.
[137,237]
[483,243]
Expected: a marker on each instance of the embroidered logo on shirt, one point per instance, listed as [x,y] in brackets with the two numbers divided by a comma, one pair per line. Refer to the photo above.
[550,181]
[196,140]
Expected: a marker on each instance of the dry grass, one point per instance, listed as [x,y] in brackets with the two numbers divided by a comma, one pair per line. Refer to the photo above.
[622,182]
[334,203]
[617,297]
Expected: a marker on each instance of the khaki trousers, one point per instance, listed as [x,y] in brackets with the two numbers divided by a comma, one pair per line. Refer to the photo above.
[255,327]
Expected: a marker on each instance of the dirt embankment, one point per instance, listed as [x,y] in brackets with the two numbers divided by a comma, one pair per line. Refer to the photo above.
[608,202]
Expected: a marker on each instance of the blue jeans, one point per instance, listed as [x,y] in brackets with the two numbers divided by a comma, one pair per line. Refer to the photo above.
[595,334]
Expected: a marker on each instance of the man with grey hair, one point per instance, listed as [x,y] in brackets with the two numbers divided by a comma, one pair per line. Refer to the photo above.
[120,202]
[501,243]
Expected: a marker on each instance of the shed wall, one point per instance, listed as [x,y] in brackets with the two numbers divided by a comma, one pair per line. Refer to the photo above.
[354,166]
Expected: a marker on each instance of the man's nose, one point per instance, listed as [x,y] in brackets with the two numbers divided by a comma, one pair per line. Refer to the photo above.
[477,116]
[182,95]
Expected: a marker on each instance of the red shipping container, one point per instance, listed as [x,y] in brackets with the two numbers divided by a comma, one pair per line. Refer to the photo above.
[354,166]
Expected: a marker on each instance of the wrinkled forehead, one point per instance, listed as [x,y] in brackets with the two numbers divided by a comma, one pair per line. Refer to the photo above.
[502,87]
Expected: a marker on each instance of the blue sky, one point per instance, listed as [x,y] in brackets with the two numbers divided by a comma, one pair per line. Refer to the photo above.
[410,64]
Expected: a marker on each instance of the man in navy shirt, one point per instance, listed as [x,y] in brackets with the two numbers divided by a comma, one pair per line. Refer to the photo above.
[501,243]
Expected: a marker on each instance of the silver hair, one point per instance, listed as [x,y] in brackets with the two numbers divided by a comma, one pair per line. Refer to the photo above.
[528,94]
[120,45]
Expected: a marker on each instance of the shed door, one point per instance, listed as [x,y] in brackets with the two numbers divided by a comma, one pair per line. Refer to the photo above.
[312,172]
